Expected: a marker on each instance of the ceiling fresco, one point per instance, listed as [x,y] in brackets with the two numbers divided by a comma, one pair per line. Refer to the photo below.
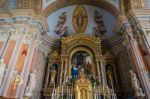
[149,3]
[87,19]
[11,4]
[48,2]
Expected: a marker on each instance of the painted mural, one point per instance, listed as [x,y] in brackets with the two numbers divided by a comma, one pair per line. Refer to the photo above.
[100,28]
[46,3]
[80,19]
[61,28]
[11,4]
[87,19]
[149,3]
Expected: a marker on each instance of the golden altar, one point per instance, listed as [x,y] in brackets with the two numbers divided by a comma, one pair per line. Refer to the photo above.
[75,53]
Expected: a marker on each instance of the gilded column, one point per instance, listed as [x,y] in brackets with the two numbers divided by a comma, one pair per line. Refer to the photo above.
[98,69]
[65,75]
[61,71]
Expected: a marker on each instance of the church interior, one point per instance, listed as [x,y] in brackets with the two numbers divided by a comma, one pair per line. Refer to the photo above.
[74,49]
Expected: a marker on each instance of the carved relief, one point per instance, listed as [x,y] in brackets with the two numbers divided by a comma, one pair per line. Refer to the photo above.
[27,4]
[100,28]
[60,28]
[80,19]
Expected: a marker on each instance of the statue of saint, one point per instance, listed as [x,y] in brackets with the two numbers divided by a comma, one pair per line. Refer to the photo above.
[100,28]
[83,94]
[74,71]
[60,28]
[136,86]
[89,67]
[31,85]
[2,70]
[88,60]
[109,73]
[53,76]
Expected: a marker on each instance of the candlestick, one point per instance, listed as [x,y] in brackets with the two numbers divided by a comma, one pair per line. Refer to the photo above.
[52,94]
[99,92]
[104,91]
[58,93]
[69,94]
[62,90]
[94,92]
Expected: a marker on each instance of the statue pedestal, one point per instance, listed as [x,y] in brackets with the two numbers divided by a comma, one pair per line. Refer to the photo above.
[26,97]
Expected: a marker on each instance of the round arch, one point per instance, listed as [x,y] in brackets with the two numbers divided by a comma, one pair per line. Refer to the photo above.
[99,3]
[84,49]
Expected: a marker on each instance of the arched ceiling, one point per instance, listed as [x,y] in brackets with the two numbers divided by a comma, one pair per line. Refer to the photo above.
[67,15]
[49,6]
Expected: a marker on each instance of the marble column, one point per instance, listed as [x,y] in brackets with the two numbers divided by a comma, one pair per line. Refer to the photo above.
[26,68]
[11,66]
[132,45]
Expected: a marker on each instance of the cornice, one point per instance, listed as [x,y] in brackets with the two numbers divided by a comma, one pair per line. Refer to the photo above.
[121,20]
[26,13]
[99,3]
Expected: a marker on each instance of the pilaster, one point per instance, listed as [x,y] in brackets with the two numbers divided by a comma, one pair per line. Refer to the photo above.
[132,45]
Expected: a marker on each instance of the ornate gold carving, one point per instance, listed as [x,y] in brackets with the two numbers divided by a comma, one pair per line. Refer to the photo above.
[83,88]
[54,54]
[80,19]
[80,40]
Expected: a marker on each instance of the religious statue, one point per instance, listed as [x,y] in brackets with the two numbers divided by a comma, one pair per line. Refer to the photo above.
[82,74]
[31,84]
[100,28]
[109,73]
[80,19]
[74,71]
[53,76]
[89,67]
[83,94]
[60,28]
[2,70]
[136,86]
[88,60]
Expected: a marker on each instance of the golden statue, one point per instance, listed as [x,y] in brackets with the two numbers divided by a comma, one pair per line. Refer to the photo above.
[53,76]
[83,94]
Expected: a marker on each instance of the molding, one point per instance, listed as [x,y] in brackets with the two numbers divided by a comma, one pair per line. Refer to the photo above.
[29,15]
[99,3]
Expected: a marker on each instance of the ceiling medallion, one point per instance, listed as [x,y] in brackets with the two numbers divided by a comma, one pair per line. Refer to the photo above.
[80,19]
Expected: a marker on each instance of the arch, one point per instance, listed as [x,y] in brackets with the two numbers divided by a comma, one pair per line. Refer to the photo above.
[85,49]
[81,48]
[99,3]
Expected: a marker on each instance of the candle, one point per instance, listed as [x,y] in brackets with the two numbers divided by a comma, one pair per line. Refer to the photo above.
[94,92]
[58,93]
[104,91]
[52,94]
[99,92]
[69,93]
